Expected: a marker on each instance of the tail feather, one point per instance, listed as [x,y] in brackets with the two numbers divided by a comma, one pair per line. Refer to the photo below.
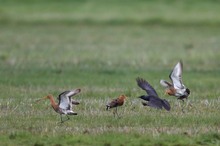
[166,104]
[107,107]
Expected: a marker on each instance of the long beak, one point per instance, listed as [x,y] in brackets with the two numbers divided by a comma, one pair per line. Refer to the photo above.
[41,99]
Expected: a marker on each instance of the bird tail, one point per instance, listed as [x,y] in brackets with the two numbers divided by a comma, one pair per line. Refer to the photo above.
[166,104]
[107,107]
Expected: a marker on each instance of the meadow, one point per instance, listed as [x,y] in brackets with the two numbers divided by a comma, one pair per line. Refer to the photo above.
[102,47]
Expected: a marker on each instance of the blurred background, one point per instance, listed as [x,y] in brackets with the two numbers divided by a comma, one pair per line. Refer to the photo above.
[85,42]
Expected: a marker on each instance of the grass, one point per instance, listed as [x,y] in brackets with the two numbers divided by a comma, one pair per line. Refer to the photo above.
[49,47]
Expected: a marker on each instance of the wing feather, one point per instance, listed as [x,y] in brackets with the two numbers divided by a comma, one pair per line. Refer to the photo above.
[65,100]
[176,76]
[143,84]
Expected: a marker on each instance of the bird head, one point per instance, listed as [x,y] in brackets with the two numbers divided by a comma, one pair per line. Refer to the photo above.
[187,92]
[46,97]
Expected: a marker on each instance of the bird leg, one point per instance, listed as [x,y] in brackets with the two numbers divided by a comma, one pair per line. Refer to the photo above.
[189,103]
[62,121]
[115,112]
[183,106]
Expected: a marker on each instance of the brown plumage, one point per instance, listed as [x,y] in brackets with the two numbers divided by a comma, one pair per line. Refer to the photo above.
[115,103]
[64,107]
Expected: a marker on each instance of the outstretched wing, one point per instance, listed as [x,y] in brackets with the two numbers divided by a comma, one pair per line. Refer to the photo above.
[65,101]
[176,76]
[146,86]
[165,83]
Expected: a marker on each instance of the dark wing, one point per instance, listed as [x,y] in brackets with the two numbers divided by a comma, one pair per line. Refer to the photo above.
[113,103]
[176,76]
[166,104]
[146,86]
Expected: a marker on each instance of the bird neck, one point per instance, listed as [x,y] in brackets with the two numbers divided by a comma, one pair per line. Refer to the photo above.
[53,103]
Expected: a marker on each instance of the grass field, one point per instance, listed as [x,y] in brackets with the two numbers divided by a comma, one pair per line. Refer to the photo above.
[102,47]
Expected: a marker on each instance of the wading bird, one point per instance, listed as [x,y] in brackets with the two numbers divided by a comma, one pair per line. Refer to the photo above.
[176,88]
[152,97]
[115,103]
[64,107]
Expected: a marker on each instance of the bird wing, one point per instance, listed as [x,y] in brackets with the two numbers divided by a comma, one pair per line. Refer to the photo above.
[176,76]
[165,83]
[65,101]
[146,86]
[155,102]
[72,92]
[113,103]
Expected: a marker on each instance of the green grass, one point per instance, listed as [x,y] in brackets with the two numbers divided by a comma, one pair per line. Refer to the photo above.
[101,47]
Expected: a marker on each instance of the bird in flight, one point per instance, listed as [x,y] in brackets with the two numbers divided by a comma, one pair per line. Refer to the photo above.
[115,103]
[153,99]
[176,88]
[64,107]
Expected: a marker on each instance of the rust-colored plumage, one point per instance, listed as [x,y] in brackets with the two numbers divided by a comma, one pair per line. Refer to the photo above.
[115,103]
[64,107]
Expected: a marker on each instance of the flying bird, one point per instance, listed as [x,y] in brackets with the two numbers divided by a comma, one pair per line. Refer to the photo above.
[64,107]
[115,103]
[153,99]
[176,88]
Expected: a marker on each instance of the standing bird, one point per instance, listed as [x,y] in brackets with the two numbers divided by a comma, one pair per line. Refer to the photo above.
[115,103]
[176,88]
[64,107]
[152,97]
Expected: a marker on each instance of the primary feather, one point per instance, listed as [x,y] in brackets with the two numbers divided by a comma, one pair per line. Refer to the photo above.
[146,86]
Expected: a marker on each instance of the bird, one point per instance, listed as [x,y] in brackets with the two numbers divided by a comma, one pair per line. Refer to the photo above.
[153,99]
[115,103]
[176,88]
[64,107]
